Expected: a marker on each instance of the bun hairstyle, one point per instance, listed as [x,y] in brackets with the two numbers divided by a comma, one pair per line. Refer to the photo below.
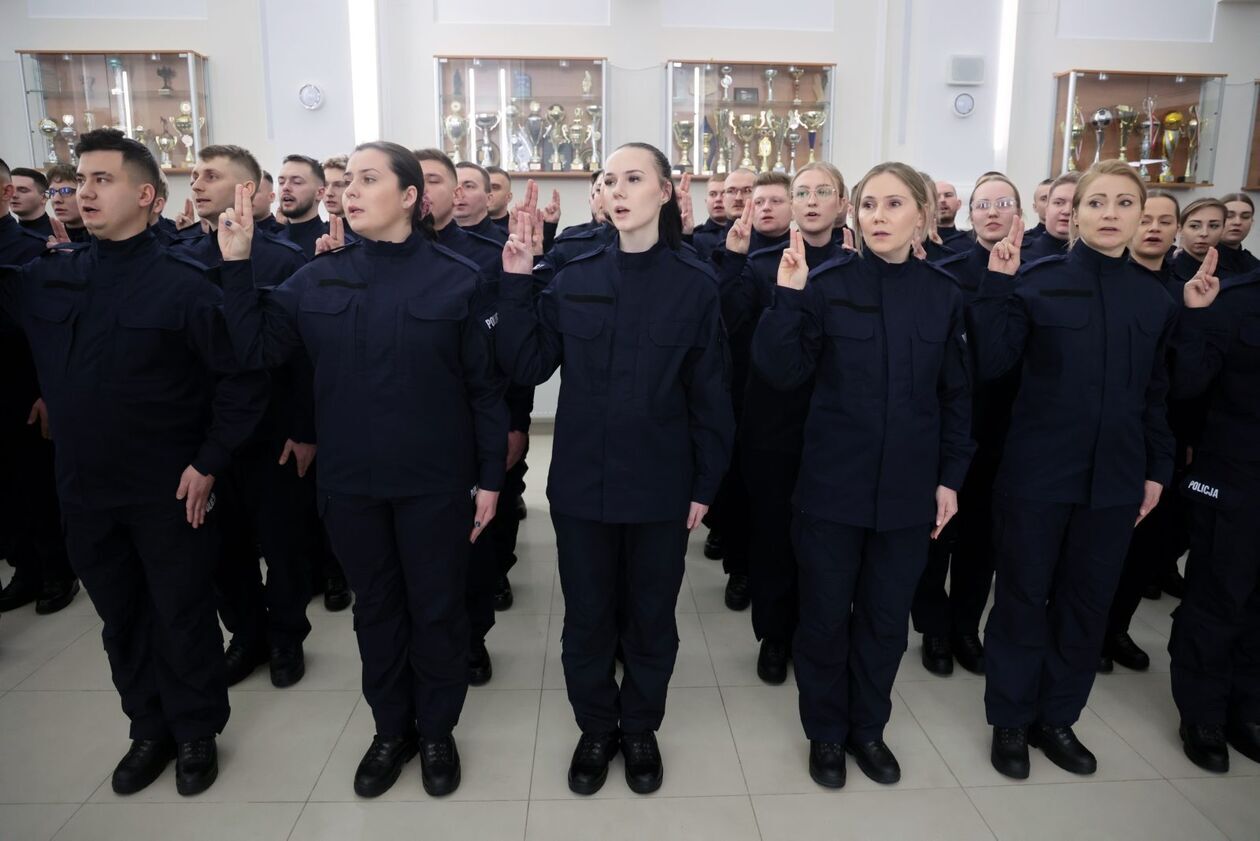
[1113,166]
[1242,197]
[1201,204]
[670,220]
[908,176]
[403,163]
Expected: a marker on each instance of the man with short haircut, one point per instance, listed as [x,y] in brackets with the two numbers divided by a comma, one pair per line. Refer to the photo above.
[472,201]
[1041,203]
[301,191]
[948,203]
[737,190]
[264,198]
[500,196]
[268,498]
[709,233]
[164,229]
[30,200]
[62,188]
[334,185]
[146,403]
[30,518]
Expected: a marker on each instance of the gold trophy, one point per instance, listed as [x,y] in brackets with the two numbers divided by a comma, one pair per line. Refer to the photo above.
[1172,136]
[796,73]
[813,121]
[455,128]
[765,141]
[555,119]
[536,130]
[1077,135]
[593,137]
[165,142]
[745,126]
[706,142]
[184,124]
[1192,145]
[793,138]
[682,136]
[722,165]
[573,133]
[48,128]
[1127,118]
[1150,133]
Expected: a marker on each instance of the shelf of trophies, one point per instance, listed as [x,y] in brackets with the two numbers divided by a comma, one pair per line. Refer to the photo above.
[1253,160]
[157,98]
[1164,125]
[766,117]
[540,116]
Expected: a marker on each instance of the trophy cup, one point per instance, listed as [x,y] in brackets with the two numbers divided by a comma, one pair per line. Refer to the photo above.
[813,121]
[1127,118]
[555,119]
[1075,137]
[766,132]
[68,134]
[793,138]
[771,74]
[745,127]
[722,165]
[682,136]
[455,127]
[574,133]
[165,142]
[726,81]
[487,149]
[1101,120]
[1192,144]
[518,148]
[706,142]
[166,74]
[48,128]
[184,124]
[536,131]
[796,73]
[142,136]
[594,136]
[587,84]
[1172,136]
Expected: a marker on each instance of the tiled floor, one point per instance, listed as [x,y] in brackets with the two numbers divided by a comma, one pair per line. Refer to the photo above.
[734,755]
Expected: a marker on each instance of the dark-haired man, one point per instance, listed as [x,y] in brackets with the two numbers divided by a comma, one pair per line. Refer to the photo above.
[302,188]
[30,200]
[146,403]
[472,201]
[264,198]
[268,497]
[62,188]
[500,196]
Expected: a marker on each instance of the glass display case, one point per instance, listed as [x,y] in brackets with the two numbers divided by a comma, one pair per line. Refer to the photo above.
[158,98]
[543,116]
[768,117]
[1164,125]
[1253,150]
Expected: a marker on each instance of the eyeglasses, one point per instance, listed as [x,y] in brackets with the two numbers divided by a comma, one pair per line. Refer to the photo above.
[62,191]
[738,191]
[1000,204]
[823,193]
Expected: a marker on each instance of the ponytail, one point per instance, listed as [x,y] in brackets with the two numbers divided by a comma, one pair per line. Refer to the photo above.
[669,224]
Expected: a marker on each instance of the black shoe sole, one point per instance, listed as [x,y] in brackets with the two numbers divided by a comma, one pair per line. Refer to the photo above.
[824,780]
[645,786]
[381,787]
[337,603]
[940,668]
[136,787]
[870,772]
[1015,773]
[588,788]
[1035,742]
[502,603]
[434,791]
[44,607]
[480,678]
[737,604]
[772,679]
[1209,764]
[189,788]
[1133,665]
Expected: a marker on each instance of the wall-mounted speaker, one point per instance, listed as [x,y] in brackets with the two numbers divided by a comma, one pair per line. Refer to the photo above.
[965,70]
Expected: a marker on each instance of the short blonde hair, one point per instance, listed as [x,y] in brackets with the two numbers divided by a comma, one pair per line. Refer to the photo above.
[825,167]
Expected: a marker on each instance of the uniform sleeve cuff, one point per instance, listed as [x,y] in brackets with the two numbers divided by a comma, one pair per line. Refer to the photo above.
[996,285]
[212,459]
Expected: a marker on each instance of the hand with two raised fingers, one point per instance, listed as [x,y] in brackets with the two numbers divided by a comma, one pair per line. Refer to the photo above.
[685,205]
[59,234]
[793,270]
[1004,258]
[236,228]
[739,236]
[335,238]
[188,218]
[518,251]
[1201,290]
[550,213]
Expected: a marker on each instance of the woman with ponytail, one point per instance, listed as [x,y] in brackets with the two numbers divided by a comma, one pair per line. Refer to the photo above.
[412,441]
[643,435]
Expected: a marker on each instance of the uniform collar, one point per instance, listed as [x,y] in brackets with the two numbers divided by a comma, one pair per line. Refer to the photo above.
[123,249]
[883,268]
[1095,261]
[406,248]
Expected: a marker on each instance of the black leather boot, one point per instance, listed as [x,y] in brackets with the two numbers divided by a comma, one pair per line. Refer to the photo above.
[143,763]
[379,768]
[938,657]
[196,766]
[589,767]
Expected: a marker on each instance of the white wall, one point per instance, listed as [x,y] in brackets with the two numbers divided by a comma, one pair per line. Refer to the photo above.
[891,96]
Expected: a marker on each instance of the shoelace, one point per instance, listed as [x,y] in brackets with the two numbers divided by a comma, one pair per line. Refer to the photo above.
[196,751]
[380,750]
[830,747]
[938,646]
[1212,732]
[592,747]
[640,748]
[1010,736]
[439,751]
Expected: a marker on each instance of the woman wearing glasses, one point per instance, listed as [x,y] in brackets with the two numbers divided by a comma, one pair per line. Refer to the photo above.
[950,624]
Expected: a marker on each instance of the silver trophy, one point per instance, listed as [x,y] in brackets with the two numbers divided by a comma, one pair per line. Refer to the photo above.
[771,74]
[575,134]
[1101,121]
[555,120]
[487,149]
[745,126]
[536,131]
[796,73]
[683,130]
[726,81]
[1192,141]
[48,128]
[1149,127]
[723,163]
[793,138]
[455,127]
[593,137]
[68,134]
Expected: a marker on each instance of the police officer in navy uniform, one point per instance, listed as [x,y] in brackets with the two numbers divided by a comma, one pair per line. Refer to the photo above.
[1088,453]
[948,204]
[30,519]
[268,498]
[1054,237]
[712,230]
[492,557]
[147,404]
[771,422]
[643,436]
[1215,641]
[886,448]
[950,624]
[302,186]
[412,436]
[1240,213]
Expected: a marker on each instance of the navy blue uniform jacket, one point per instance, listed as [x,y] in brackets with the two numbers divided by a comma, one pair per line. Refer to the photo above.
[408,401]
[136,367]
[890,415]
[644,423]
[1090,421]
